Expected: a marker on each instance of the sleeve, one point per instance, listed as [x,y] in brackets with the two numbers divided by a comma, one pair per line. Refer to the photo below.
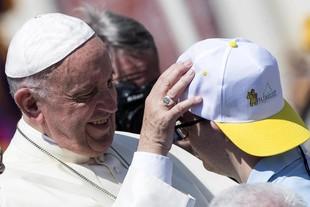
[147,183]
[153,165]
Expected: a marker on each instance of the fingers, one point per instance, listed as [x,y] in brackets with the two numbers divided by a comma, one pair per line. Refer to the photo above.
[161,112]
[181,107]
[170,77]
[181,85]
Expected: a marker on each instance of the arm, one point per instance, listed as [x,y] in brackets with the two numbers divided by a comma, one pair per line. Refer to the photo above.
[147,182]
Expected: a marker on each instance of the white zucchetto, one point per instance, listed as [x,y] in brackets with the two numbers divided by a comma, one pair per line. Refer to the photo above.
[43,41]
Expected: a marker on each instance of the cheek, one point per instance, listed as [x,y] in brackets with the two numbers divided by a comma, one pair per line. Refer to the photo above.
[206,145]
[65,117]
[199,142]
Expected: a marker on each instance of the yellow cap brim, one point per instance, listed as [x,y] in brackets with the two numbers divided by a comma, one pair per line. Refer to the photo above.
[274,135]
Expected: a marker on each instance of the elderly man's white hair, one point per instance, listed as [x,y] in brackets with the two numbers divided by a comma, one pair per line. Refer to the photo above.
[257,195]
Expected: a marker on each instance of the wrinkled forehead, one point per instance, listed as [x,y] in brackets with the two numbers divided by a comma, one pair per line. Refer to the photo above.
[85,65]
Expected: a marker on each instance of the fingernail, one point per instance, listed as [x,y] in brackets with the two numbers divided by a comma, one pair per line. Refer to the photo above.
[198,99]
[190,72]
[188,63]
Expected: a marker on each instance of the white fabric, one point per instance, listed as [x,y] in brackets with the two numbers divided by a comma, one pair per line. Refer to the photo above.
[154,165]
[43,41]
[226,70]
[38,180]
[140,187]
[48,144]
[189,175]
[32,178]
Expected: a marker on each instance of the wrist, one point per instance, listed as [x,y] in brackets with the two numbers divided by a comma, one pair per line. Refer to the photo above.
[153,147]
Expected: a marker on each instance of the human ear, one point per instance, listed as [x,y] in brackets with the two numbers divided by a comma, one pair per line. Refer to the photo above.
[27,103]
[214,126]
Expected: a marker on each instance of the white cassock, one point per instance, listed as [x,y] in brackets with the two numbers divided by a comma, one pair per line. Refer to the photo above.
[34,178]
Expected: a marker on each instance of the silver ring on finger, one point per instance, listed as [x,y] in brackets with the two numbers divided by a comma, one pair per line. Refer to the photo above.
[168,101]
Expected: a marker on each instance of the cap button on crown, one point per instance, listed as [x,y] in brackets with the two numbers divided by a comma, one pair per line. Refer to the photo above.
[233,43]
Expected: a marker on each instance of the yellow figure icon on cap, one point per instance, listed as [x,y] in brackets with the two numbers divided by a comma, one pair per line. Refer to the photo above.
[252,96]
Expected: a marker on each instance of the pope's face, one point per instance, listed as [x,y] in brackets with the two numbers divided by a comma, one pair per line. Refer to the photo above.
[79,110]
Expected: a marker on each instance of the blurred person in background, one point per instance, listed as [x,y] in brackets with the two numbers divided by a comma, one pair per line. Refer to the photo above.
[9,113]
[257,195]
[134,59]
[300,77]
[300,73]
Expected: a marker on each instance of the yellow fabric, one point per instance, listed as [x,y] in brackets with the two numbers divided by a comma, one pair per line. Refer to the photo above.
[274,135]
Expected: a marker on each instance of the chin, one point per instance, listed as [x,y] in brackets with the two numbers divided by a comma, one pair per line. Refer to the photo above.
[101,147]
[92,153]
[205,166]
[208,167]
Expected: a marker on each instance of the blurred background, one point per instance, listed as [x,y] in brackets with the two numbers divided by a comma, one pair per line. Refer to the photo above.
[281,26]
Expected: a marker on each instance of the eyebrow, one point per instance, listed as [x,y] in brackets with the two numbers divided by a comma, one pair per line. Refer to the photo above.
[76,89]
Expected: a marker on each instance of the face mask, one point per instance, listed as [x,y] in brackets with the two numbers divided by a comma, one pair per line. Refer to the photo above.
[131,100]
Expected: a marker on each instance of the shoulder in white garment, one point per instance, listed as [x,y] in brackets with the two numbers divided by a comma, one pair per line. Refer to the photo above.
[40,181]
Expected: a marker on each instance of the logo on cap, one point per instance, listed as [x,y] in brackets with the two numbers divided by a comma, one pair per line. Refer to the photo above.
[252,96]
[267,94]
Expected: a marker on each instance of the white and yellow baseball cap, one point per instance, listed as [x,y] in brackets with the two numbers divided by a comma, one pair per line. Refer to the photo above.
[240,85]
[43,41]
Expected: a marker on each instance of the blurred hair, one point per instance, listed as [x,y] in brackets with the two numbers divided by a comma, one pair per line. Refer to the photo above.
[119,31]
[127,38]
[257,195]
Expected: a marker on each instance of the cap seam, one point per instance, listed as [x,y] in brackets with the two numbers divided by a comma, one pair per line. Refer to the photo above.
[226,56]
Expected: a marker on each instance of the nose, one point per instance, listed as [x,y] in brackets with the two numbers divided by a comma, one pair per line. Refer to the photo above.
[122,74]
[118,72]
[107,100]
[116,75]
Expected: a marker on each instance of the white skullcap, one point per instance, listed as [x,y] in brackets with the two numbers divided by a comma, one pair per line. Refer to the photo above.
[43,41]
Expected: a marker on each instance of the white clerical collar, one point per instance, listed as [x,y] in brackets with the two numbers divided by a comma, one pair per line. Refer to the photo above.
[49,145]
